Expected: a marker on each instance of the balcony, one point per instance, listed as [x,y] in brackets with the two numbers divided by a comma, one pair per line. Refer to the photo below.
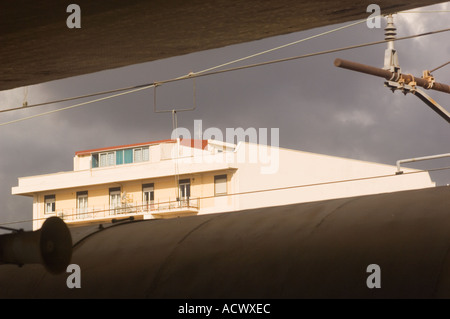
[166,209]
[184,207]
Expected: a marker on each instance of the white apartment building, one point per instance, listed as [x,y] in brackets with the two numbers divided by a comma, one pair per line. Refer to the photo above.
[175,178]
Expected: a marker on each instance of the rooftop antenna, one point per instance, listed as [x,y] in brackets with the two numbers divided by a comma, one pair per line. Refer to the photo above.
[391,72]
[175,126]
[174,111]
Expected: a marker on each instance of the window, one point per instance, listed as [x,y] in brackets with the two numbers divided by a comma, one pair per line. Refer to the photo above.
[82,204]
[145,154]
[106,159]
[119,157]
[141,154]
[103,159]
[138,155]
[148,196]
[220,185]
[128,156]
[114,201]
[185,189]
[94,160]
[50,207]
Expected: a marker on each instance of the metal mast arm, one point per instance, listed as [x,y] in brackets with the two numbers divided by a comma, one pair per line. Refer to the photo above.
[405,88]
[391,76]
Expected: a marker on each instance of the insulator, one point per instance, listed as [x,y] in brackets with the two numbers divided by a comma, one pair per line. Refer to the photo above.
[390,31]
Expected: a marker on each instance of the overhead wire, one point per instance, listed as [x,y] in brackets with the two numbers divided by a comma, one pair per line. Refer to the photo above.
[305,39]
[75,98]
[303,56]
[429,11]
[190,74]
[425,11]
[194,75]
[280,47]
[441,66]
[76,105]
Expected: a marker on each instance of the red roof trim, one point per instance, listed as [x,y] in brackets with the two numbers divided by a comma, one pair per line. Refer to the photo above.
[95,150]
[200,144]
[185,142]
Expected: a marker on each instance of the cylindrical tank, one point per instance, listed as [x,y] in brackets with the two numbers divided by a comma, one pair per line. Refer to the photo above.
[310,250]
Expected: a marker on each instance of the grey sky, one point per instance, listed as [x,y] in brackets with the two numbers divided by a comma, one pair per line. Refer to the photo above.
[317,107]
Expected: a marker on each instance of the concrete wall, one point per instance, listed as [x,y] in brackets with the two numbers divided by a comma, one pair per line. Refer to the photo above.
[317,177]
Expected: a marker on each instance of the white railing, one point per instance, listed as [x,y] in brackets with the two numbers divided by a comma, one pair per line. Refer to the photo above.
[417,159]
[92,213]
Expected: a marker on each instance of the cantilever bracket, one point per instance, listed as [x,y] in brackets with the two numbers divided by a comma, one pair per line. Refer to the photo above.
[406,88]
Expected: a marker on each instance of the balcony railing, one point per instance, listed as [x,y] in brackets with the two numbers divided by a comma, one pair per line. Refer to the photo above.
[129,209]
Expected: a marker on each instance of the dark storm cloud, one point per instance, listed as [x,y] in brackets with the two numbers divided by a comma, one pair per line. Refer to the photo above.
[317,107]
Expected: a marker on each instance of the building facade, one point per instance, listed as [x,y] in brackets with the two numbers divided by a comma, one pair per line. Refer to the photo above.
[176,178]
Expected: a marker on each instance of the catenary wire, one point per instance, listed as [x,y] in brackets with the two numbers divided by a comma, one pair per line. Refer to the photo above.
[211,68]
[77,105]
[300,56]
[268,190]
[75,98]
[425,11]
[280,47]
[439,67]
[192,75]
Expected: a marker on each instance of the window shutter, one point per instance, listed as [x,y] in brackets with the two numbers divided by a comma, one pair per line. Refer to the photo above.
[111,160]
[103,159]
[220,184]
[119,157]
[138,155]
[128,156]
[145,154]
